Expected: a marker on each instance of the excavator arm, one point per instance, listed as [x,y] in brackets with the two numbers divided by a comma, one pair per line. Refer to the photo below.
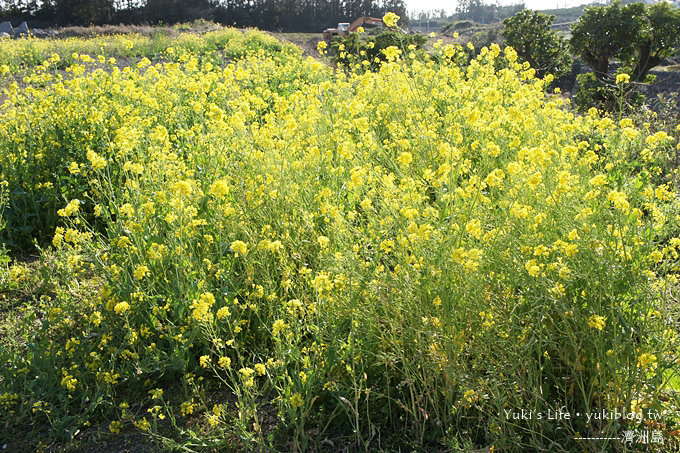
[364,20]
[344,28]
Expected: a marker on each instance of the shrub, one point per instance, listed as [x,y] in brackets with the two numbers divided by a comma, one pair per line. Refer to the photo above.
[606,94]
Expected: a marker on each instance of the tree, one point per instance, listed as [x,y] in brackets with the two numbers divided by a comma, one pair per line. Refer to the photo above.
[637,35]
[83,12]
[284,15]
[476,10]
[529,33]
[659,38]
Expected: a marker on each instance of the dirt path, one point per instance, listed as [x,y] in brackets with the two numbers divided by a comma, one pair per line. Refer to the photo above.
[306,41]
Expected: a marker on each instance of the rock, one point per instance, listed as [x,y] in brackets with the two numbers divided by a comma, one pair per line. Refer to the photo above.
[42,33]
[5,35]
[21,30]
[6,27]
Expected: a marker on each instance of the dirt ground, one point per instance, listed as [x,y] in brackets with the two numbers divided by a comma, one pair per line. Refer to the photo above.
[306,41]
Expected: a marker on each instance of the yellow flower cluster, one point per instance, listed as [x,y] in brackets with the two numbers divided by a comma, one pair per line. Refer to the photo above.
[201,307]
[647,361]
[390,19]
[70,209]
[240,247]
[597,322]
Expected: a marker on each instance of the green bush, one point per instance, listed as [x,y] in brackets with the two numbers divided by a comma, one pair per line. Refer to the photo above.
[606,94]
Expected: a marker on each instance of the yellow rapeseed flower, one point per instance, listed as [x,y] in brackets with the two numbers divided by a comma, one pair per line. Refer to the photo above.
[532,268]
[240,247]
[143,424]
[619,200]
[405,158]
[622,78]
[296,400]
[201,307]
[514,168]
[534,179]
[474,228]
[391,53]
[121,307]
[278,327]
[390,19]
[597,322]
[141,272]
[223,313]
[219,188]
[323,241]
[98,162]
[115,427]
[224,362]
[70,209]
[647,361]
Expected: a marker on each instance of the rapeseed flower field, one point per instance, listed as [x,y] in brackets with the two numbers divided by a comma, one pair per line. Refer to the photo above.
[254,251]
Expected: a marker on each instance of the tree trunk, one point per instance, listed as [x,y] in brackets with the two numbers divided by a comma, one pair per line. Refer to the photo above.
[646,62]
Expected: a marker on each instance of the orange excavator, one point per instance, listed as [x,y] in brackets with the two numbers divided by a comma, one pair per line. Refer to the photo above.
[345,28]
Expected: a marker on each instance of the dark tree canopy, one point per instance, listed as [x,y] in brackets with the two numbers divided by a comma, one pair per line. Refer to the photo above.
[283,15]
[659,38]
[637,35]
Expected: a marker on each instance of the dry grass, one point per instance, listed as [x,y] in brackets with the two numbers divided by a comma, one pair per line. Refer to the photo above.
[199,26]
